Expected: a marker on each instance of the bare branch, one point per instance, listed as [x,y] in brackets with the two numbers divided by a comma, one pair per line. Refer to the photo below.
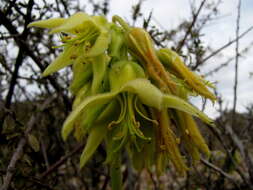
[195,16]
[19,151]
[236,61]
[20,56]
[217,134]
[219,170]
[227,44]
[17,154]
[14,76]
[22,44]
[61,161]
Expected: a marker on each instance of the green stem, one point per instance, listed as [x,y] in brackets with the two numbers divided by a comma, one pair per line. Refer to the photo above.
[118,19]
[115,173]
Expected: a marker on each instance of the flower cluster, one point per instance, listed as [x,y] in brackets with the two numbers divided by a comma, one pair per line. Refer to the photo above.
[128,94]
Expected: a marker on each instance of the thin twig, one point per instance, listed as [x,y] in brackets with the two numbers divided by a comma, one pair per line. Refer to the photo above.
[24,46]
[65,5]
[19,151]
[105,182]
[233,136]
[219,170]
[195,16]
[227,62]
[217,134]
[61,161]
[37,182]
[218,68]
[236,61]
[17,155]
[153,180]
[44,152]
[227,44]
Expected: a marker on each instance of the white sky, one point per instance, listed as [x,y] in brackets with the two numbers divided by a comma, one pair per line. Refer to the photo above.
[219,32]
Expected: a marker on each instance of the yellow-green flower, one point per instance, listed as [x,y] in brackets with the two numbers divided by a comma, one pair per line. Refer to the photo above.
[128,95]
[176,65]
[87,36]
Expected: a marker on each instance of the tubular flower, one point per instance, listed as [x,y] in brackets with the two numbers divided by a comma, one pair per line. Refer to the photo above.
[128,95]
[174,63]
[140,45]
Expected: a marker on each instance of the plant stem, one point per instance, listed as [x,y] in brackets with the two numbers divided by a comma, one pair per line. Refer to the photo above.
[115,173]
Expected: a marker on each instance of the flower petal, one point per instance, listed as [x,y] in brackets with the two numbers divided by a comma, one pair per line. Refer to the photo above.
[170,101]
[73,23]
[100,46]
[95,137]
[49,23]
[147,93]
[90,101]
[64,59]
[82,73]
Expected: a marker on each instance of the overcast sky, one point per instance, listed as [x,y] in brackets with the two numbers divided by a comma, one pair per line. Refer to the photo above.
[219,32]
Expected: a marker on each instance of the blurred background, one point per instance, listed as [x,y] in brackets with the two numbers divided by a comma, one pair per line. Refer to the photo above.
[213,37]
